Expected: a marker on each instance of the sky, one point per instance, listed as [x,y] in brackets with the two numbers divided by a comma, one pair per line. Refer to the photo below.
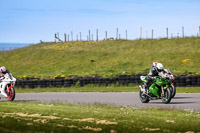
[29,21]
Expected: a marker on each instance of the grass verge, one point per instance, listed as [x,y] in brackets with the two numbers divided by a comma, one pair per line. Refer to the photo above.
[103,58]
[43,117]
[100,89]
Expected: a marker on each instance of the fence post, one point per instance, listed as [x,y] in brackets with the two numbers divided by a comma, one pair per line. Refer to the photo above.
[89,36]
[117,34]
[92,37]
[177,35]
[72,36]
[126,35]
[65,37]
[97,38]
[140,33]
[152,34]
[172,35]
[55,38]
[80,37]
[106,35]
[183,32]
[68,37]
[167,32]
[58,35]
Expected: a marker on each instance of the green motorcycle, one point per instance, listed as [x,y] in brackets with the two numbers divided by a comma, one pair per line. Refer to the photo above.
[160,89]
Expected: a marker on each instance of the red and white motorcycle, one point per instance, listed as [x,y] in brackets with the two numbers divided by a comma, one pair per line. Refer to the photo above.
[7,82]
[171,87]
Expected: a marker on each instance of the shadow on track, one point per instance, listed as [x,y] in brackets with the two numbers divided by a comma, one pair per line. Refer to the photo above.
[181,97]
[18,101]
[172,103]
[181,102]
[24,101]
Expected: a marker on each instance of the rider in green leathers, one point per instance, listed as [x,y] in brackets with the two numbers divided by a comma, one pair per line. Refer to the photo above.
[155,70]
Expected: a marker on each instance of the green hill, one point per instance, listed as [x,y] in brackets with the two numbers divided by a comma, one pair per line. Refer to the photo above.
[103,58]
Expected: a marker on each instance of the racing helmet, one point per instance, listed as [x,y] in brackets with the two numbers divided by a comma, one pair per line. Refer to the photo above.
[159,67]
[3,69]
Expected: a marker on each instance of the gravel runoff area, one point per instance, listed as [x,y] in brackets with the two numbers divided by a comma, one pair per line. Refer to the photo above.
[189,101]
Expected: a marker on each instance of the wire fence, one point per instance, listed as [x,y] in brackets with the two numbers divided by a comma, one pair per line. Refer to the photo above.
[104,35]
[95,35]
[100,36]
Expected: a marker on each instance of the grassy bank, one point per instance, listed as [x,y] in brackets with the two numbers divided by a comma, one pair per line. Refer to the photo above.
[42,117]
[104,58]
[100,89]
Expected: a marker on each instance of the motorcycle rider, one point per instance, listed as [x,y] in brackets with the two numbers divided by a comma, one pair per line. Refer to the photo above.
[3,70]
[155,70]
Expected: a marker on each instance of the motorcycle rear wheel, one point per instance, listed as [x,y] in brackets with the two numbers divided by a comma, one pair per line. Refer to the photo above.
[173,89]
[143,98]
[11,93]
[167,96]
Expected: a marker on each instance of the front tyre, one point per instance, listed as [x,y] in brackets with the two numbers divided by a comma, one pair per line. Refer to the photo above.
[143,98]
[167,96]
[11,93]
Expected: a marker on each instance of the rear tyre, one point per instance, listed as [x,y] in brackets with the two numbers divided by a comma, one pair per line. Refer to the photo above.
[143,98]
[167,96]
[11,93]
[173,91]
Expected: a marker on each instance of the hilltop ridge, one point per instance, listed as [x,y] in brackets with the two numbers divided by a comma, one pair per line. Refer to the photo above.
[103,58]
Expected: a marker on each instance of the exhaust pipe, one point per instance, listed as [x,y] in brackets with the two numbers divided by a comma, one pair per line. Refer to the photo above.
[144,92]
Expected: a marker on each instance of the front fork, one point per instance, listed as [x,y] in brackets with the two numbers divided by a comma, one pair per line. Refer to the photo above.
[8,88]
[142,88]
[162,88]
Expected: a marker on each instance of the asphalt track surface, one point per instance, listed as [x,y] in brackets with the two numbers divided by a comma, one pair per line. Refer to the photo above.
[183,101]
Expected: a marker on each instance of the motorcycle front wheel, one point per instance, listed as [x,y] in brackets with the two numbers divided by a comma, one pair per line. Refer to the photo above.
[167,96]
[11,93]
[143,98]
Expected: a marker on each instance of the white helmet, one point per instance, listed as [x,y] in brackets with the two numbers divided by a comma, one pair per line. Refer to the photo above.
[159,67]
